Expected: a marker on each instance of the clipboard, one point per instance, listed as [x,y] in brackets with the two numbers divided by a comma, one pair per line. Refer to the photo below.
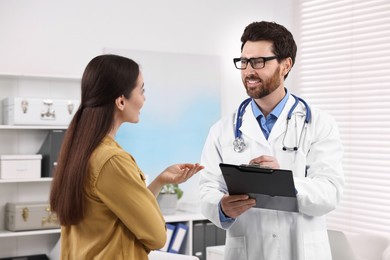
[272,188]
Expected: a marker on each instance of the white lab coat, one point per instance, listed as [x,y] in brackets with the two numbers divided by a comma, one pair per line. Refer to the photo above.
[262,234]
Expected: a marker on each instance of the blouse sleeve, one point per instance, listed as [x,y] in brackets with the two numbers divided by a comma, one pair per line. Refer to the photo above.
[121,187]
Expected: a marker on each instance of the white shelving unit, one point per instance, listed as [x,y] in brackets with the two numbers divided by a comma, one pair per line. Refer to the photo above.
[21,139]
[19,243]
[45,179]
[188,219]
[30,127]
[4,233]
[28,140]
[20,183]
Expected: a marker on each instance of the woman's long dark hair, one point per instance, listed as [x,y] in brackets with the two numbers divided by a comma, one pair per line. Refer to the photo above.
[105,78]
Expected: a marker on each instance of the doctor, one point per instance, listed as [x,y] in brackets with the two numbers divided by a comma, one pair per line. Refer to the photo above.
[277,130]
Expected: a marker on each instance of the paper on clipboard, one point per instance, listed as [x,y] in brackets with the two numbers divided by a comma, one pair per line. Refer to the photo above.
[272,188]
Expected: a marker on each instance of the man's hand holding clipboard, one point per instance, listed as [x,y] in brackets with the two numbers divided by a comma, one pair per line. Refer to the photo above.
[257,186]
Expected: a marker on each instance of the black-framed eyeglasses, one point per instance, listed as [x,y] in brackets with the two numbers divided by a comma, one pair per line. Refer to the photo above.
[256,63]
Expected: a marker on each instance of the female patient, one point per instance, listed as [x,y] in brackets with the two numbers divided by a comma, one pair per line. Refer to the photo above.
[98,192]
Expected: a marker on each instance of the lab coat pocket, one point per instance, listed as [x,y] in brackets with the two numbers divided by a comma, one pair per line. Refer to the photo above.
[235,248]
[316,246]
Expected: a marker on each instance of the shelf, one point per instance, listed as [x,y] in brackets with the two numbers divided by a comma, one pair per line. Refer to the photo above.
[182,216]
[44,179]
[34,76]
[6,233]
[178,217]
[32,127]
[28,139]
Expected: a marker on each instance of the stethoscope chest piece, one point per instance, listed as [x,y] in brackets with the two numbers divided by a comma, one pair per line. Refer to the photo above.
[239,144]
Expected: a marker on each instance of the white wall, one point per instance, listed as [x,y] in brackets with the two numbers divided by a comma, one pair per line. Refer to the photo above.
[60,37]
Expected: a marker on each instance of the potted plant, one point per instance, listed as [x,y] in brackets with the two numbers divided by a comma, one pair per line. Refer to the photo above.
[168,197]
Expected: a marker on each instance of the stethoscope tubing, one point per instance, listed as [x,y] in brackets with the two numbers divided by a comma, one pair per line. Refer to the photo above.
[240,114]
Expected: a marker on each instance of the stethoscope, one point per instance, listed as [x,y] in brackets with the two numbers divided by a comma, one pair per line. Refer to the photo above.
[239,143]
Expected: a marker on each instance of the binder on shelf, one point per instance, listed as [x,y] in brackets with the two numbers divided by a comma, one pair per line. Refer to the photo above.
[178,238]
[170,231]
[198,240]
[50,150]
[206,234]
[221,236]
[210,234]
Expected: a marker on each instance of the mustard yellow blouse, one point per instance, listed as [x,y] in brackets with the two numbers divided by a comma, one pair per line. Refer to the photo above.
[122,219]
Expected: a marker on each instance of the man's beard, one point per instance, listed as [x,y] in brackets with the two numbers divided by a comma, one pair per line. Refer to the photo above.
[268,86]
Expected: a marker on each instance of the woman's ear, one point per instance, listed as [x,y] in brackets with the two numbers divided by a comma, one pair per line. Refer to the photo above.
[120,102]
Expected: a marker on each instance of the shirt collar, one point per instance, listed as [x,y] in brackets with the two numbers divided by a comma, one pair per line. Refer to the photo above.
[275,112]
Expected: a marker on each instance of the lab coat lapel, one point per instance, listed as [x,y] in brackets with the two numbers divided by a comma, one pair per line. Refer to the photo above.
[250,127]
[280,125]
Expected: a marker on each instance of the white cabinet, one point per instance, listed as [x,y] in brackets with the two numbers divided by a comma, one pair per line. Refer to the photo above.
[28,140]
[188,219]
[201,233]
[20,243]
